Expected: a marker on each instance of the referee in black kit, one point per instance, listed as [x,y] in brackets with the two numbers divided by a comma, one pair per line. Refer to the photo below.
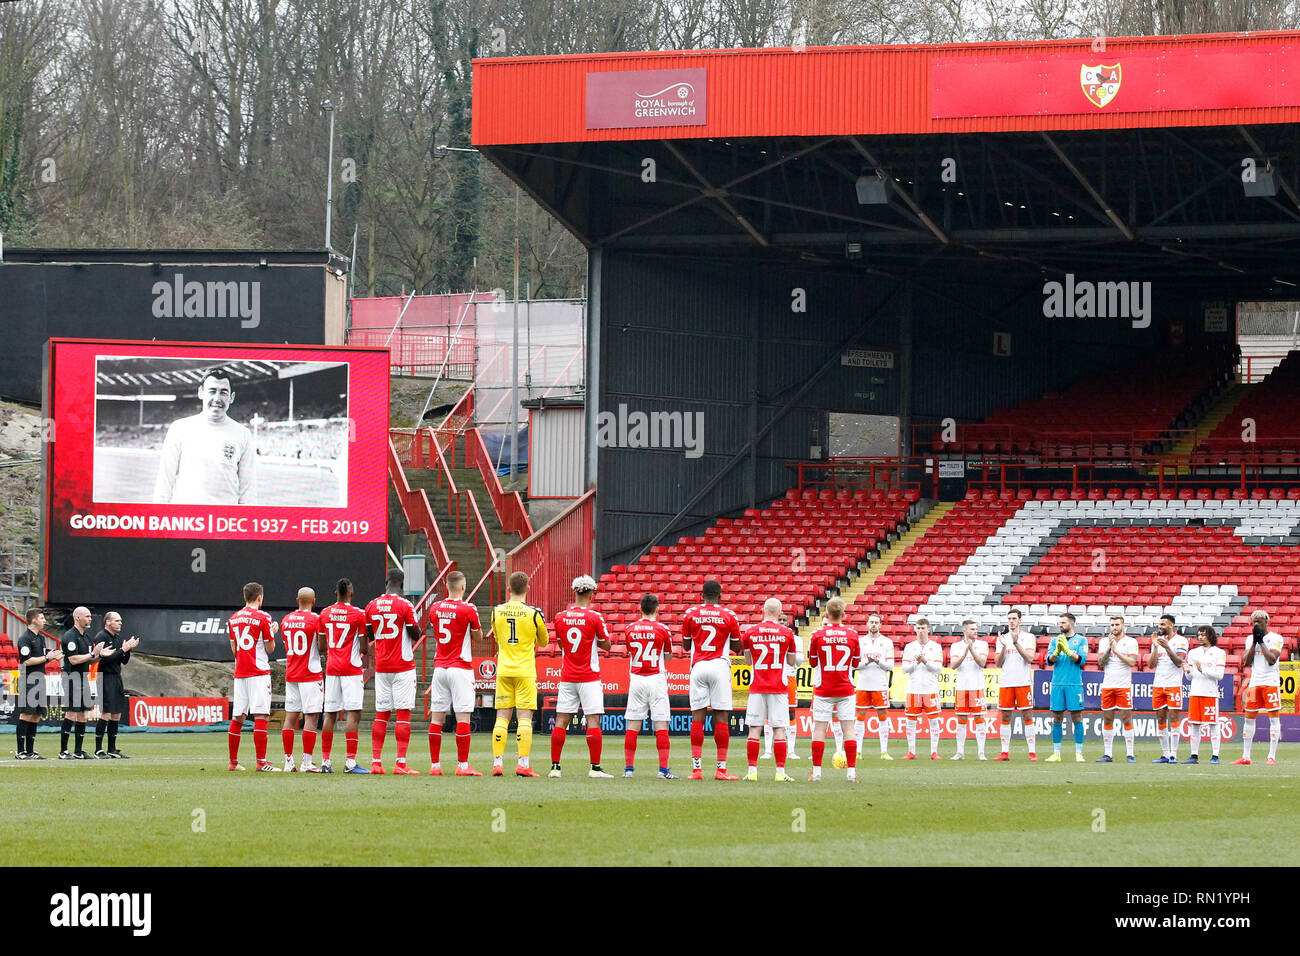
[32,657]
[112,694]
[79,652]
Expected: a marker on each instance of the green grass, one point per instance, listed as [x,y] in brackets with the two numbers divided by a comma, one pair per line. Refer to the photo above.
[142,811]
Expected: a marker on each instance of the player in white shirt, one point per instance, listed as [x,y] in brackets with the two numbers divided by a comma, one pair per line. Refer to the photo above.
[967,657]
[1168,654]
[922,662]
[1263,692]
[1015,652]
[208,458]
[877,654]
[1206,664]
[1117,653]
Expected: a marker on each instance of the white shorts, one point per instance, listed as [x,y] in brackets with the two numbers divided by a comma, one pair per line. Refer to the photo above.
[395,691]
[304,697]
[711,685]
[343,692]
[825,709]
[646,697]
[768,708]
[588,694]
[452,691]
[252,695]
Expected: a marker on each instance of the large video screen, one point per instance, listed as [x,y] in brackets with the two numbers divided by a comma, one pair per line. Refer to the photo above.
[176,472]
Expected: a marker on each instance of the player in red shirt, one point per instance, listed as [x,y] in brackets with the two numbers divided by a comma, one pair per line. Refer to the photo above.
[455,622]
[708,631]
[650,645]
[304,684]
[394,634]
[770,646]
[344,625]
[252,637]
[579,631]
[834,653]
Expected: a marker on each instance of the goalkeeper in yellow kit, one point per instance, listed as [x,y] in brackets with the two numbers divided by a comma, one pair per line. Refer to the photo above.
[518,628]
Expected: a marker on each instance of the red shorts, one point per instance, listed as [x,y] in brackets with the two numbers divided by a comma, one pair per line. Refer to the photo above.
[1203,710]
[1014,698]
[918,704]
[1117,698]
[1267,699]
[1171,697]
[878,699]
[970,703]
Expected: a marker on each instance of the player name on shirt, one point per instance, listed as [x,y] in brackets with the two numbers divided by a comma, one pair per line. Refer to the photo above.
[389,616]
[343,624]
[833,651]
[768,644]
[647,643]
[302,662]
[248,628]
[453,623]
[578,629]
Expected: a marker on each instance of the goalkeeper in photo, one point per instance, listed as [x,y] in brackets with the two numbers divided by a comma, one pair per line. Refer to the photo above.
[1067,654]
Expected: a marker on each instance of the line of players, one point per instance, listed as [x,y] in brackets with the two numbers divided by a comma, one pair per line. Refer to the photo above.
[710,632]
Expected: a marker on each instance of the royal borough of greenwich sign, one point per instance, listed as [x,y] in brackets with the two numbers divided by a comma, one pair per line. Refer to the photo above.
[637,98]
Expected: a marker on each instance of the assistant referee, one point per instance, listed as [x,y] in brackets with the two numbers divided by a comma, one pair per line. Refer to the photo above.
[112,693]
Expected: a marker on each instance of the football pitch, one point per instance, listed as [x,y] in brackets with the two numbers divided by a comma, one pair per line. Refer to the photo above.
[175,804]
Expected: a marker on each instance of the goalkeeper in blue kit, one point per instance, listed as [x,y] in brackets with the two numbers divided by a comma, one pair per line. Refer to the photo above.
[1067,654]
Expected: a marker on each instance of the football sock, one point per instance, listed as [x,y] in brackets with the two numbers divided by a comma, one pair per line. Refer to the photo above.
[780,749]
[981,733]
[1248,736]
[934,735]
[80,733]
[594,743]
[523,741]
[818,751]
[112,735]
[751,751]
[1162,734]
[1058,731]
[883,731]
[64,732]
[697,743]
[378,731]
[1077,726]
[911,735]
[629,748]
[1214,738]
[463,740]
[767,739]
[1004,735]
[1274,735]
[1196,739]
[851,752]
[259,738]
[961,736]
[326,744]
[1031,737]
[838,731]
[662,745]
[403,734]
[721,737]
[100,726]
[308,743]
[860,731]
[499,738]
[558,734]
[1128,737]
[352,738]
[435,741]
[286,739]
[232,738]
[1107,738]
[22,737]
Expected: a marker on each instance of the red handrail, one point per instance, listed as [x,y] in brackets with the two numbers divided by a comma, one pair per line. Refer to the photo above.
[1247,373]
[556,553]
[417,510]
[509,506]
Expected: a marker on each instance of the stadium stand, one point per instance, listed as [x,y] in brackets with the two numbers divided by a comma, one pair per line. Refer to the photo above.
[800,547]
[1206,556]
[1271,405]
[1114,414]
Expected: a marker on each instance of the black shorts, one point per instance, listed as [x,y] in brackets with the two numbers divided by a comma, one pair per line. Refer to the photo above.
[112,694]
[31,695]
[78,693]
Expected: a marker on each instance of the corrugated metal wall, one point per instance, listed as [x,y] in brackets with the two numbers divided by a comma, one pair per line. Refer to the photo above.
[555,455]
